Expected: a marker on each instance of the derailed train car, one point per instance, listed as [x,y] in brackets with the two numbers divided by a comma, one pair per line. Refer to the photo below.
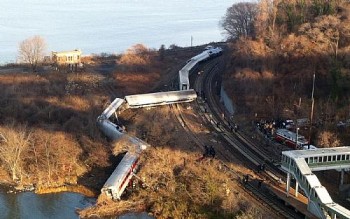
[184,82]
[121,176]
[160,98]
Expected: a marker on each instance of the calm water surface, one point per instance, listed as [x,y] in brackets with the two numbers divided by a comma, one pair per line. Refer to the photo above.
[111,26]
[28,205]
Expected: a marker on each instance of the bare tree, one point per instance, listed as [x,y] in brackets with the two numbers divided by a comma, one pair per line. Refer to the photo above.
[32,51]
[239,19]
[13,142]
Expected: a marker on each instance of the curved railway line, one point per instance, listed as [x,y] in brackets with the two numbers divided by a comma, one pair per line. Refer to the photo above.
[234,143]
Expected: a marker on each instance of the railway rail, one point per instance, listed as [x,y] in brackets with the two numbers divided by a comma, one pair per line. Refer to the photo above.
[235,143]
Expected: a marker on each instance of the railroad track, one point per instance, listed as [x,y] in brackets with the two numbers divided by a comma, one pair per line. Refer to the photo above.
[235,143]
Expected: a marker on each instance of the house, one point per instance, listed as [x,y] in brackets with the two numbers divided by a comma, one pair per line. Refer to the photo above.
[71,59]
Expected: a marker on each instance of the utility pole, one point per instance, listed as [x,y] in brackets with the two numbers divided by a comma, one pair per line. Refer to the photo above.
[312,108]
[191,41]
[296,140]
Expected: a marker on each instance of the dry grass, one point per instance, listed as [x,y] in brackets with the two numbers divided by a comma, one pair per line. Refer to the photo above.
[67,148]
[60,112]
[67,188]
[180,187]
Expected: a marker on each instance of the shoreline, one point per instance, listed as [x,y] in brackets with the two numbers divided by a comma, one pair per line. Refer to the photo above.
[68,188]
[10,187]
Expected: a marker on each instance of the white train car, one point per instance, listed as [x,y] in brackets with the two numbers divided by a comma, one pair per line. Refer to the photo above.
[213,52]
[113,107]
[202,56]
[160,98]
[184,81]
[111,130]
[121,176]
[184,73]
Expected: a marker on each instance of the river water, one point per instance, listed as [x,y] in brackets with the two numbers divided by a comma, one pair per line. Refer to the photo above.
[27,205]
[110,26]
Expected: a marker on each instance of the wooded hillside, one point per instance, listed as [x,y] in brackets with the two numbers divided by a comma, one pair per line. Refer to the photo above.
[273,60]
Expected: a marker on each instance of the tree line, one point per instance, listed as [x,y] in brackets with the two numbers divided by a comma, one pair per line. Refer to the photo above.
[276,48]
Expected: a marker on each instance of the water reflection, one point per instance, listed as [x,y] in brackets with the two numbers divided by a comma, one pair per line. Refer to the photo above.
[32,206]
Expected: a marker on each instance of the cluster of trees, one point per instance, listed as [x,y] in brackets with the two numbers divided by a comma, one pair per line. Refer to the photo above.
[267,18]
[277,47]
[136,58]
[37,156]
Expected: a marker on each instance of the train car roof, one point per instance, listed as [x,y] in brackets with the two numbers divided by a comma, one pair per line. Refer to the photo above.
[189,65]
[121,170]
[303,166]
[313,180]
[201,56]
[317,152]
[285,131]
[345,213]
[140,100]
[216,50]
[113,107]
[323,195]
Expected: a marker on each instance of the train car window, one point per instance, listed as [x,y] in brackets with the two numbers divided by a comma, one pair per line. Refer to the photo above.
[347,157]
[320,159]
[329,158]
[307,160]
[325,159]
[338,157]
[334,158]
[311,160]
[343,157]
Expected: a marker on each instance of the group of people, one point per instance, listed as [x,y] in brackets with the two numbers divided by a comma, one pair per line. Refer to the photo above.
[209,151]
[246,180]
